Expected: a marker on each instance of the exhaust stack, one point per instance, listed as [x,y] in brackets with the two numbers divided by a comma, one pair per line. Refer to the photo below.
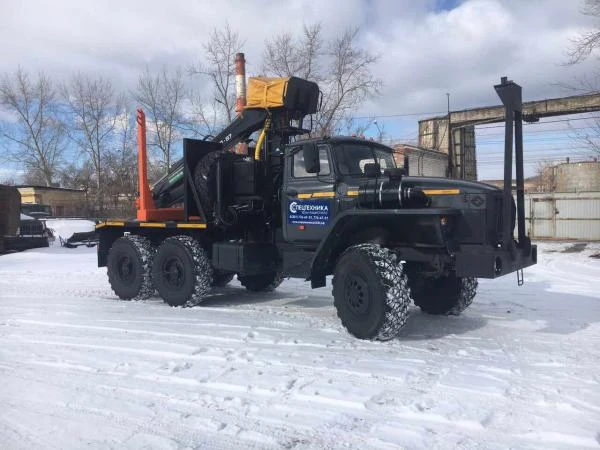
[240,82]
[240,95]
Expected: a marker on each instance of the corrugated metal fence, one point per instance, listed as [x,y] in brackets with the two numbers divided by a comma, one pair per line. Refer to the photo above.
[563,215]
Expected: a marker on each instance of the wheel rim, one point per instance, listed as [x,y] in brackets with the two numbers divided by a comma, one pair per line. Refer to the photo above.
[173,272]
[125,269]
[356,293]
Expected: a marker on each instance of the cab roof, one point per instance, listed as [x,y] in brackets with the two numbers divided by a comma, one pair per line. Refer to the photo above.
[342,140]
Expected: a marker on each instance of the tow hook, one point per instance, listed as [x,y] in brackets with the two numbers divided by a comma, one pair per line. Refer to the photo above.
[520,280]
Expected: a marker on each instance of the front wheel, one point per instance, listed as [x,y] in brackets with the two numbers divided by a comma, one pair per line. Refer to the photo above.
[445,295]
[371,292]
[182,272]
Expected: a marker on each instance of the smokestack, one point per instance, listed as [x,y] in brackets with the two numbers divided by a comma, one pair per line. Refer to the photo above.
[240,95]
[240,82]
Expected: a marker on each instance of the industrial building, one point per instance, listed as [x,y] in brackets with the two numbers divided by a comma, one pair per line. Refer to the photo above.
[63,202]
[421,161]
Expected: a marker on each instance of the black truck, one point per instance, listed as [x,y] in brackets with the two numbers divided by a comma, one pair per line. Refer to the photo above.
[311,207]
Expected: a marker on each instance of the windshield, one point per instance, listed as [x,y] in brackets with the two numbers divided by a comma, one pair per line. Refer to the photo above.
[352,157]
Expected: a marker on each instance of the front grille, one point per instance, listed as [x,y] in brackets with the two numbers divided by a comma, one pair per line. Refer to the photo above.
[31,227]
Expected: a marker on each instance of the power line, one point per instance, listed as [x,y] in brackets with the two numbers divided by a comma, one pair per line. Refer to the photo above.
[384,116]
[532,140]
[555,130]
[541,123]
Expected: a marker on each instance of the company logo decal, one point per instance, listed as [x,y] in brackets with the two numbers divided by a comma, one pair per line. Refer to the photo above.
[308,212]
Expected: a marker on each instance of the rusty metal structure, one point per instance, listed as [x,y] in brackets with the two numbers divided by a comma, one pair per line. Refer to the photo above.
[454,134]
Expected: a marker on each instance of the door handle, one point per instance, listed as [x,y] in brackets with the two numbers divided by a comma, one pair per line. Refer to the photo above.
[291,192]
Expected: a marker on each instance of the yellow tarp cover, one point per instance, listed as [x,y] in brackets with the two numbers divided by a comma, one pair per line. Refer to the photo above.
[266,92]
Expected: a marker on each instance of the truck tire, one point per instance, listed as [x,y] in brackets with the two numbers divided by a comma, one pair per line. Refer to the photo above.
[130,267]
[221,279]
[205,179]
[261,283]
[447,295]
[371,292]
[182,272]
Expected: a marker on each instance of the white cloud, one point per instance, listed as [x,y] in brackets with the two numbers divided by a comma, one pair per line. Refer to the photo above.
[424,52]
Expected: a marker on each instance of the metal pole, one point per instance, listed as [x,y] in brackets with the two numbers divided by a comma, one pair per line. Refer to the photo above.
[519,173]
[450,149]
[507,197]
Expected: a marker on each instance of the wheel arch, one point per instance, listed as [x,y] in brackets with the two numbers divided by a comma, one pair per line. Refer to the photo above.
[383,227]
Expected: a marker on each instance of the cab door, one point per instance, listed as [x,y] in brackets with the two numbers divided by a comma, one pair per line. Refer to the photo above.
[309,202]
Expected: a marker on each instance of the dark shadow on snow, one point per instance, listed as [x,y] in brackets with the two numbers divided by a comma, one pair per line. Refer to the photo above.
[497,300]
[422,327]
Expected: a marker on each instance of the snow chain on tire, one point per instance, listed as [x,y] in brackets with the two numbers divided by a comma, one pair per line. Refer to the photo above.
[448,295]
[145,253]
[202,268]
[393,282]
[466,294]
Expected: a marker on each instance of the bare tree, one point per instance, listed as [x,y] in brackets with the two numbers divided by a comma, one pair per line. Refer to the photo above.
[122,166]
[285,56]
[546,176]
[587,42]
[350,80]
[582,47]
[220,52]
[36,135]
[93,108]
[80,176]
[205,115]
[163,96]
[352,127]
[587,136]
[341,67]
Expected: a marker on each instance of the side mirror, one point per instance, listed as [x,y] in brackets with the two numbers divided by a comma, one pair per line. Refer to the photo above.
[372,170]
[310,154]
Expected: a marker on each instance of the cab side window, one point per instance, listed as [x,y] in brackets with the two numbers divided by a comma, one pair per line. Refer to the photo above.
[299,169]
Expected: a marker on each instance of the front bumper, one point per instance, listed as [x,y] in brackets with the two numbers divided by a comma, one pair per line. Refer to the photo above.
[487,262]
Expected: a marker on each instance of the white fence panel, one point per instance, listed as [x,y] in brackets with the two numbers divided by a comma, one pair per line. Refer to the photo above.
[563,215]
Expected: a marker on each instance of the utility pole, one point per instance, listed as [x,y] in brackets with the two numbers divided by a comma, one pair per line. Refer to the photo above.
[450,149]
[379,130]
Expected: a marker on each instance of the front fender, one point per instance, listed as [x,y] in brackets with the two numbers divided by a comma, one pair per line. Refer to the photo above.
[389,227]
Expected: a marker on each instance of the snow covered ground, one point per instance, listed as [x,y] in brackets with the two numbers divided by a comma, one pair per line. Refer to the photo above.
[79,368]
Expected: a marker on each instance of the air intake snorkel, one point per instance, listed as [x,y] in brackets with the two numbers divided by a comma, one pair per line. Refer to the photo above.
[386,191]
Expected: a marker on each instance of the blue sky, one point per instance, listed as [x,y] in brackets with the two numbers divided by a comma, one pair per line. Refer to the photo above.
[426,48]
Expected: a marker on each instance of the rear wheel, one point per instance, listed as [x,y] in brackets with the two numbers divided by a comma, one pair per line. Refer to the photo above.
[261,283]
[221,279]
[446,295]
[371,292]
[130,267]
[182,271]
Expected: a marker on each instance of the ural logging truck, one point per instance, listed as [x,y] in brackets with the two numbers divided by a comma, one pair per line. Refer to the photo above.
[311,207]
